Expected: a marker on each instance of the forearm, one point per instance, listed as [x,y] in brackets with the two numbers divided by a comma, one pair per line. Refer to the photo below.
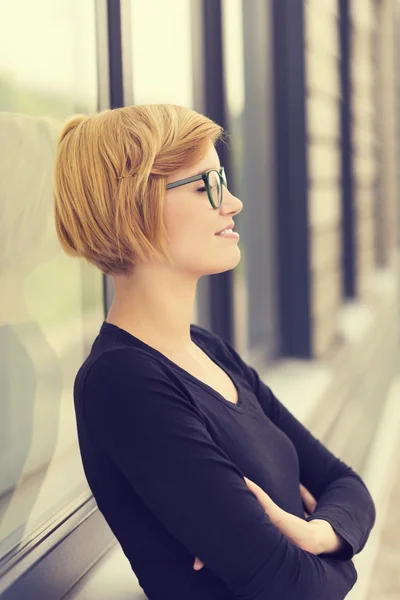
[329,540]
[348,507]
[342,496]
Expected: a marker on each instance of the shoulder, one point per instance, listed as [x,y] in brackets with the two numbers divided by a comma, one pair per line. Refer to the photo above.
[210,339]
[121,368]
[116,358]
[204,335]
[125,383]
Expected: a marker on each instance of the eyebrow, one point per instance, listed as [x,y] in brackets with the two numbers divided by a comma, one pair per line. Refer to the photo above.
[204,171]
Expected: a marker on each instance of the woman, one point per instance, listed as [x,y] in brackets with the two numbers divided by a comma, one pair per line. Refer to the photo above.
[189,455]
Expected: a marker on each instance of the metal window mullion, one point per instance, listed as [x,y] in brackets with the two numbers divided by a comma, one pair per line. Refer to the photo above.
[348,209]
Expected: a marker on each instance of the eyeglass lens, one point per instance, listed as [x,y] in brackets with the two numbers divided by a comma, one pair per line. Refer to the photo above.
[215,187]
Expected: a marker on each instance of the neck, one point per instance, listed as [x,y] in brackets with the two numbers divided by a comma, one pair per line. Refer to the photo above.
[155,305]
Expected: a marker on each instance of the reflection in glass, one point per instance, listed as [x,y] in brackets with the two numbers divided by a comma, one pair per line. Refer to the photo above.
[49,304]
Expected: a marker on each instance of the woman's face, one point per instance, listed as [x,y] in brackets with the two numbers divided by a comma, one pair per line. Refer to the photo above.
[192,222]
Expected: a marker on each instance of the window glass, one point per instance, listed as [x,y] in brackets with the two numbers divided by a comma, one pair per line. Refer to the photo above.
[50,304]
[162,52]
[233,57]
[162,72]
[248,92]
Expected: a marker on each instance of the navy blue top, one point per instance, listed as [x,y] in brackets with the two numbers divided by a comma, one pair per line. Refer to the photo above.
[165,454]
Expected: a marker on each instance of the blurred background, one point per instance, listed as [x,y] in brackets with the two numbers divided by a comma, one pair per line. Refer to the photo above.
[309,92]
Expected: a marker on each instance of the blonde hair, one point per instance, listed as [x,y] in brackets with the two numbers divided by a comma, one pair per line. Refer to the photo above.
[110,179]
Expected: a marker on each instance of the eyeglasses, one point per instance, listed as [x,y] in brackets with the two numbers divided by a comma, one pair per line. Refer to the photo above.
[213,181]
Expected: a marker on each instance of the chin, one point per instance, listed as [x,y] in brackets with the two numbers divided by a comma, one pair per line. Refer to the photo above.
[226,263]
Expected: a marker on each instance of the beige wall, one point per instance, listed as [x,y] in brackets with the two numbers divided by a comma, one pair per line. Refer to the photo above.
[363,16]
[322,57]
[374,152]
[388,118]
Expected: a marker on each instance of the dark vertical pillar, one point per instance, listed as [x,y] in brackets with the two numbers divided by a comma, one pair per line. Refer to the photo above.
[292,178]
[116,98]
[115,53]
[348,212]
[221,285]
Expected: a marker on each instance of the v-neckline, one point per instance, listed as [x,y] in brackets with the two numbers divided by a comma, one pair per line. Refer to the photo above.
[241,404]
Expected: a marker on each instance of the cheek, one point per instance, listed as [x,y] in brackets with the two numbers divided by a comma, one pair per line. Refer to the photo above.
[177,214]
[191,224]
[187,223]
[191,242]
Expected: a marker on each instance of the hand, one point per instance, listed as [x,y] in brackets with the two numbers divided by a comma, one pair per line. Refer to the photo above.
[294,528]
[330,541]
[308,500]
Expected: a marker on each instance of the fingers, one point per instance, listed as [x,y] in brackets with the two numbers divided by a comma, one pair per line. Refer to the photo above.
[275,513]
[198,564]
[308,499]
[269,505]
[259,493]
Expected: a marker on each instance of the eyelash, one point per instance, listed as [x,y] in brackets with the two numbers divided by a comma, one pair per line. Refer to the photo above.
[202,190]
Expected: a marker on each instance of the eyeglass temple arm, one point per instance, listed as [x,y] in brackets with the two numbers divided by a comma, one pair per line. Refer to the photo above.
[203,176]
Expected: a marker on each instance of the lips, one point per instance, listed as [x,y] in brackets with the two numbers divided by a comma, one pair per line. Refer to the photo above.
[230,225]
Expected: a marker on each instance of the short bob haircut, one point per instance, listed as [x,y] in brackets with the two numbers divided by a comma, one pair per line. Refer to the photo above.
[110,178]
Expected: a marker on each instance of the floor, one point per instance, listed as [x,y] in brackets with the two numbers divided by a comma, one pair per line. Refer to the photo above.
[385,580]
[378,565]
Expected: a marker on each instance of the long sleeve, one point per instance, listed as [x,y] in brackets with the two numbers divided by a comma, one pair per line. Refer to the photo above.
[342,497]
[149,427]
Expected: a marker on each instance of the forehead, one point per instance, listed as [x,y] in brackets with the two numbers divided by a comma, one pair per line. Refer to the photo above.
[209,161]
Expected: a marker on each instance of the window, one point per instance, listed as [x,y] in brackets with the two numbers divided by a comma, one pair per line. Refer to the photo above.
[50,304]
[162,72]
[162,52]
[248,92]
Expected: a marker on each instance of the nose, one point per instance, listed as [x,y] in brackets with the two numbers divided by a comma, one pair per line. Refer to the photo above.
[230,203]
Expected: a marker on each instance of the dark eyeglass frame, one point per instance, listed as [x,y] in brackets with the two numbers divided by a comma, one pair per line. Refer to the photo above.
[204,176]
